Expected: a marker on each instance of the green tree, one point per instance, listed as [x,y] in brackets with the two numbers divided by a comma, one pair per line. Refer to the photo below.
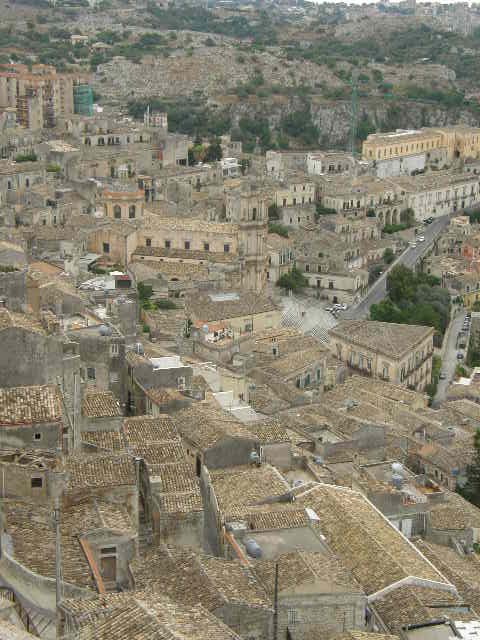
[294,280]
[471,489]
[214,151]
[279,229]
[400,284]
[388,256]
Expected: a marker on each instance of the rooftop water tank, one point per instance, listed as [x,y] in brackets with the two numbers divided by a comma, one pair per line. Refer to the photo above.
[253,548]
[397,480]
[105,330]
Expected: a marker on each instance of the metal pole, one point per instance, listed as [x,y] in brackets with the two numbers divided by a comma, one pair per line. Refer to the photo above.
[275,605]
[58,561]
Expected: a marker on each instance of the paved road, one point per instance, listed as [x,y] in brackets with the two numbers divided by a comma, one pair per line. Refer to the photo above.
[449,360]
[408,258]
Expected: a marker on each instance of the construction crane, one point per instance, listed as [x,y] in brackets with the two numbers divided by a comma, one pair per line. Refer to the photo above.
[353,123]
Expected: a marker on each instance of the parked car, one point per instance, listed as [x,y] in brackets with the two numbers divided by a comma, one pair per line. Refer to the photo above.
[421,239]
[329,309]
[443,375]
[413,244]
[460,356]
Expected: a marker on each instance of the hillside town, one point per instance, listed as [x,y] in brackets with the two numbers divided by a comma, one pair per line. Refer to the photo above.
[240,382]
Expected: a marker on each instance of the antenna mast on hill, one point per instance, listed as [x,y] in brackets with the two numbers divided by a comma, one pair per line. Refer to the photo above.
[353,124]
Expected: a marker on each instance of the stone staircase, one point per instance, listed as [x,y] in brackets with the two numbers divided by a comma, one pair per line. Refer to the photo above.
[309,318]
[145,532]
[32,620]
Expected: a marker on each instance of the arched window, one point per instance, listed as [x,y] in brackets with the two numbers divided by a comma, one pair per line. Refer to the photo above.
[117,212]
[131,211]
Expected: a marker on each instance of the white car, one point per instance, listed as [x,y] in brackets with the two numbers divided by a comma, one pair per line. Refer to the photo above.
[421,239]
[413,244]
[329,309]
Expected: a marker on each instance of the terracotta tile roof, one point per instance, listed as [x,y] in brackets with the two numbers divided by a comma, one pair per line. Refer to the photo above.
[10,632]
[30,405]
[190,578]
[455,513]
[246,485]
[268,431]
[181,502]
[366,543]
[462,571]
[175,477]
[363,635]
[288,365]
[145,618]
[385,337]
[410,605]
[100,404]
[106,440]
[156,440]
[204,425]
[160,453]
[33,537]
[10,319]
[143,430]
[202,308]
[136,360]
[99,471]
[300,568]
[163,395]
[277,515]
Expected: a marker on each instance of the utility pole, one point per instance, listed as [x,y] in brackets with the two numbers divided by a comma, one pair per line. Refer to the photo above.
[58,480]
[275,605]
[353,124]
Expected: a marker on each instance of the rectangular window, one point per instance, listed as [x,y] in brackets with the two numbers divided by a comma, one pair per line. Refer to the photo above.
[108,550]
[106,247]
[148,242]
[36,483]
[206,246]
[292,617]
[187,244]
[168,244]
[91,373]
[37,436]
[226,248]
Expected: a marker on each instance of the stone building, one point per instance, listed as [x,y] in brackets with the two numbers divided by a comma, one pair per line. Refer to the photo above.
[131,615]
[32,417]
[396,352]
[121,201]
[170,501]
[294,191]
[213,438]
[102,358]
[280,257]
[314,591]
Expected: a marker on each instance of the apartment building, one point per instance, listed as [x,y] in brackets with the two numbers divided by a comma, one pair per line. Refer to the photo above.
[40,96]
[403,152]
[295,191]
[399,353]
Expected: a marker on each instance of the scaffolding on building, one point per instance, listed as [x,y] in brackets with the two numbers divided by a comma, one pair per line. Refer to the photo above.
[83,99]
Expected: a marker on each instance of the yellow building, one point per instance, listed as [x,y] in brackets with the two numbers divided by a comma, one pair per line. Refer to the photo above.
[399,353]
[122,201]
[458,141]
[380,146]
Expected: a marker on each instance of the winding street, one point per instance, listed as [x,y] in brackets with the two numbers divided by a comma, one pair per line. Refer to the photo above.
[409,258]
